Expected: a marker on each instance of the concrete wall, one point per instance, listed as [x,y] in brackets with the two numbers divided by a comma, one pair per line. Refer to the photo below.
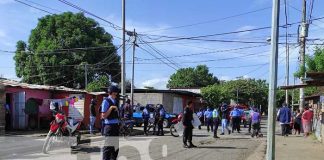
[168,101]
[148,98]
[2,110]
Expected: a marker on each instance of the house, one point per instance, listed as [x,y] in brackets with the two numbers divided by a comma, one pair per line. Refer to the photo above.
[189,89]
[28,104]
[317,103]
[173,100]
[2,110]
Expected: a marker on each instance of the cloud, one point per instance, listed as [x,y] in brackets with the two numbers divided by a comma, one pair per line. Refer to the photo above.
[3,34]
[4,39]
[248,27]
[246,77]
[158,83]
[6,1]
[225,78]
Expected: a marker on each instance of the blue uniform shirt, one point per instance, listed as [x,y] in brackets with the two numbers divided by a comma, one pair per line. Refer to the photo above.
[208,113]
[236,113]
[104,108]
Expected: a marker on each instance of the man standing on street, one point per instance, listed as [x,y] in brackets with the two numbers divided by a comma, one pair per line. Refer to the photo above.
[225,120]
[93,104]
[187,125]
[146,117]
[216,121]
[284,117]
[200,115]
[236,118]
[248,117]
[209,119]
[110,115]
[161,111]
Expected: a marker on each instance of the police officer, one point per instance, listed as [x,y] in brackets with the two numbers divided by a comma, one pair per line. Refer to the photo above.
[146,117]
[209,119]
[187,125]
[110,116]
[161,111]
[215,121]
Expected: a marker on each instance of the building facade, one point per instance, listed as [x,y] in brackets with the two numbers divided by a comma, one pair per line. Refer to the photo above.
[317,104]
[26,106]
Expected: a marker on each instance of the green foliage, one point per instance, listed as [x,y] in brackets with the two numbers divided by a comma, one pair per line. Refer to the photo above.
[251,91]
[98,84]
[192,77]
[215,94]
[313,63]
[43,61]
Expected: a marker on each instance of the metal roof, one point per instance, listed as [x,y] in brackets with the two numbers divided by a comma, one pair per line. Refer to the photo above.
[12,83]
[312,79]
[154,91]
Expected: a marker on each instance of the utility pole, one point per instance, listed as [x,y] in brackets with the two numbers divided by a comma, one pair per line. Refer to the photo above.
[123,74]
[287,56]
[302,39]
[133,67]
[85,75]
[273,81]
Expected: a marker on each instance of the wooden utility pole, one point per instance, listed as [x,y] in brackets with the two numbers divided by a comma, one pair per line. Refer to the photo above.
[302,39]
[123,73]
[133,67]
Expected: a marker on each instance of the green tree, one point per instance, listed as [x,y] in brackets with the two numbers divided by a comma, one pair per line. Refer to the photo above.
[251,92]
[192,77]
[314,63]
[98,84]
[215,94]
[47,59]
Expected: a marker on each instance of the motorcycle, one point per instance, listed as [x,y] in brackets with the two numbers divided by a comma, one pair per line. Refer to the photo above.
[61,128]
[173,130]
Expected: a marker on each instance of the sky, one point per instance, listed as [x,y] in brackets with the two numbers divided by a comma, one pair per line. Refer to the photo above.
[182,18]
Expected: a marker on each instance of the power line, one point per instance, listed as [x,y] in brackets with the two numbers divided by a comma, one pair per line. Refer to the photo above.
[116,27]
[156,57]
[311,10]
[62,51]
[209,21]
[160,53]
[43,6]
[215,51]
[173,38]
[33,7]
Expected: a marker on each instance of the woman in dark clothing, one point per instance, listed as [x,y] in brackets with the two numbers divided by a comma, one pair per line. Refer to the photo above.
[297,122]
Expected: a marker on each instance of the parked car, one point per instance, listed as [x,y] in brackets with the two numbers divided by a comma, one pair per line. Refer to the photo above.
[138,111]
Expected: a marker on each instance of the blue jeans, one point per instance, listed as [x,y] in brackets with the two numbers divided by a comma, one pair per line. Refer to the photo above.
[224,125]
[92,122]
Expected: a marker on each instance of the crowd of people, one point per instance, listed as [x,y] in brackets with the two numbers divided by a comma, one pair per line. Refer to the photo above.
[296,121]
[213,117]
[226,116]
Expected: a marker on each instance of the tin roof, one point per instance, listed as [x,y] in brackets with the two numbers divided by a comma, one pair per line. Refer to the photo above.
[187,93]
[12,83]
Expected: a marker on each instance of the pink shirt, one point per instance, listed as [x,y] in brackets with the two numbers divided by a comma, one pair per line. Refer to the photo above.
[307,116]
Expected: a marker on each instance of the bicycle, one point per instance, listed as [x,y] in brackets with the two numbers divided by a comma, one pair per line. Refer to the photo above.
[126,127]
